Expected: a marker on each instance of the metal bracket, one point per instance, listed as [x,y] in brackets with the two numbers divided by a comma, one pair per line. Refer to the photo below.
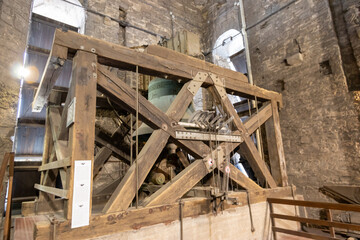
[210,159]
[203,136]
[198,80]
[219,85]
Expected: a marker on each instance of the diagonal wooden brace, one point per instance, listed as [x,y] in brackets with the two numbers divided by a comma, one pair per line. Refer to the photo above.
[252,154]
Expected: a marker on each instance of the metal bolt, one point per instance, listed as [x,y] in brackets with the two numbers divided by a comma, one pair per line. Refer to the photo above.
[82,47]
[94,75]
[93,50]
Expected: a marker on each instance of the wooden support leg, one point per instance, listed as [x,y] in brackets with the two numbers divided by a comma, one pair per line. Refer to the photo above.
[275,147]
[82,131]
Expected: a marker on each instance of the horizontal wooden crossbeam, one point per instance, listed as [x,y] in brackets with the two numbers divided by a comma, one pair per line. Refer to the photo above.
[51,190]
[169,64]
[56,164]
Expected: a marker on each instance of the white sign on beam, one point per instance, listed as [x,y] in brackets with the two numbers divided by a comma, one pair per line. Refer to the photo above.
[81,194]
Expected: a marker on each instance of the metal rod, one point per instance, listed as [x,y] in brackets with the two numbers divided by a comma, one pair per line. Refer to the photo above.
[181,220]
[137,136]
[131,143]
[250,212]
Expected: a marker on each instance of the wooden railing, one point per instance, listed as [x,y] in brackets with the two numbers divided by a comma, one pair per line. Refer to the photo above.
[327,223]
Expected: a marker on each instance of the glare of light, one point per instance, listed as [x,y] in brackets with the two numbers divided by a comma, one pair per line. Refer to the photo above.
[19,71]
[24,72]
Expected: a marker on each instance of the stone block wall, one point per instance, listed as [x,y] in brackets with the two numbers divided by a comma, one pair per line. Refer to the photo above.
[14,22]
[320,120]
[155,16]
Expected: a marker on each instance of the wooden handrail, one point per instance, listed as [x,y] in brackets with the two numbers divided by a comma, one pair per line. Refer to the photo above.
[333,206]
[323,205]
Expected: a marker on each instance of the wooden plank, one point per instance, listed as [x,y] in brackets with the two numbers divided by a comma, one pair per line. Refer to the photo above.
[318,222]
[125,58]
[248,147]
[101,157]
[333,206]
[125,192]
[82,131]
[179,185]
[55,123]
[134,219]
[63,176]
[119,153]
[302,234]
[52,71]
[42,207]
[54,191]
[237,176]
[276,148]
[258,119]
[56,164]
[7,223]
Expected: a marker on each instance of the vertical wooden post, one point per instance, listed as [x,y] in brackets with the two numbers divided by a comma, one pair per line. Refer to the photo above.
[275,147]
[47,177]
[7,224]
[329,218]
[82,125]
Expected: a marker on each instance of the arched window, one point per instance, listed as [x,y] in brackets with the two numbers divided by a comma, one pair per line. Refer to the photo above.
[229,51]
[61,11]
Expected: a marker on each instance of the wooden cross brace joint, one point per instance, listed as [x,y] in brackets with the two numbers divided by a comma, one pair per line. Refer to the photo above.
[197,81]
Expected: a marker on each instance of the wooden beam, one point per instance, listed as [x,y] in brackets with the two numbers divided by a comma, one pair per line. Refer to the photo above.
[302,234]
[237,176]
[248,146]
[123,95]
[55,123]
[82,131]
[236,83]
[42,207]
[117,152]
[275,147]
[123,195]
[258,119]
[134,219]
[55,165]
[317,222]
[51,190]
[179,185]
[126,190]
[125,58]
[52,71]
[101,157]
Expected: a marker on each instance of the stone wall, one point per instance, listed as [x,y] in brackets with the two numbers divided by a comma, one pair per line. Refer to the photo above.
[154,16]
[14,22]
[320,120]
